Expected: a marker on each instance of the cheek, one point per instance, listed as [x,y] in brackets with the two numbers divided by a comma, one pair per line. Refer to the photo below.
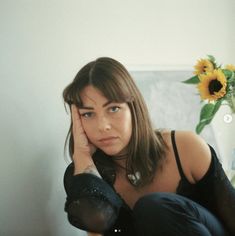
[127,124]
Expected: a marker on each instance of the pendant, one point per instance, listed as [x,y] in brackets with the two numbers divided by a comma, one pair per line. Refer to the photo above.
[134,178]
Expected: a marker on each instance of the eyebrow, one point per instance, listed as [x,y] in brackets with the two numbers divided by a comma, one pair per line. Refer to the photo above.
[91,108]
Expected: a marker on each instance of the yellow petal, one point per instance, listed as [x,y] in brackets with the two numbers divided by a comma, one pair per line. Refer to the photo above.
[203,66]
[212,85]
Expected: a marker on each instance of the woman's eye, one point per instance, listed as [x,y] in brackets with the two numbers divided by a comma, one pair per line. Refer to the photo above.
[114,109]
[87,114]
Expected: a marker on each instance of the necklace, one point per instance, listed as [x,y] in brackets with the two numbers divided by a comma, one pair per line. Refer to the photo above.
[120,157]
[134,178]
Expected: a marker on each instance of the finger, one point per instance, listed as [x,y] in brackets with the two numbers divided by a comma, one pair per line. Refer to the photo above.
[75,117]
[74,113]
[77,125]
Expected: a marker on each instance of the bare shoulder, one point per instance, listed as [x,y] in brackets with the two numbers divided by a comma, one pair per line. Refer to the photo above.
[194,153]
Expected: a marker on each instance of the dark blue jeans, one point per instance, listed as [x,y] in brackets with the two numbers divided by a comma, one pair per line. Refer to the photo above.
[167,214]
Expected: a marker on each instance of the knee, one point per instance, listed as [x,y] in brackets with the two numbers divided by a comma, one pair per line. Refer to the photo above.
[154,213]
[166,214]
[157,206]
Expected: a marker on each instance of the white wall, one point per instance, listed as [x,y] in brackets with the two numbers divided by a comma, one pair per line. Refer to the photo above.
[43,43]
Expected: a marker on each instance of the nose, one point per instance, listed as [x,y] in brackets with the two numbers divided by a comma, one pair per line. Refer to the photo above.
[104,124]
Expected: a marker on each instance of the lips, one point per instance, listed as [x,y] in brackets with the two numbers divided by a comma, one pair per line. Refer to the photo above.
[108,140]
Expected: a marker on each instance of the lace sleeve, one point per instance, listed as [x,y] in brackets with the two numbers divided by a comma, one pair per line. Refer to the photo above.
[218,194]
[91,204]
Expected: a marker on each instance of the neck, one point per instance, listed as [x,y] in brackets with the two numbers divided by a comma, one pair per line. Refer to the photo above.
[119,157]
[120,164]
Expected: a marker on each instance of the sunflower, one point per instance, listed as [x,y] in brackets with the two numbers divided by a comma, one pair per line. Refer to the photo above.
[230,67]
[203,66]
[212,85]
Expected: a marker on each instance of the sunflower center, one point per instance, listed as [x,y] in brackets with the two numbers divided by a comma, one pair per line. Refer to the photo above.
[215,86]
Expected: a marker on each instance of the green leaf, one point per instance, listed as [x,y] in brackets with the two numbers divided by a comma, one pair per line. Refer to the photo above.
[217,106]
[192,80]
[211,58]
[206,112]
[227,73]
[200,127]
[230,75]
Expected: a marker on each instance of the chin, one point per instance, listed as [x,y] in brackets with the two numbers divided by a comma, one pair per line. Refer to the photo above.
[111,152]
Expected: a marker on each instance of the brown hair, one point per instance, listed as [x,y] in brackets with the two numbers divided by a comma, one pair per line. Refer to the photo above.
[146,147]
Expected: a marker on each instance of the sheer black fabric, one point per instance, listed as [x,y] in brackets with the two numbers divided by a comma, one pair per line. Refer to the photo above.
[93,205]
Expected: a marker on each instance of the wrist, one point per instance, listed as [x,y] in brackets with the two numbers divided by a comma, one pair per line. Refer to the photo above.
[89,169]
[82,161]
[81,156]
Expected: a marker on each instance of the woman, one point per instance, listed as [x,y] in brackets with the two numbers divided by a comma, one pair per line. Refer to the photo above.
[128,179]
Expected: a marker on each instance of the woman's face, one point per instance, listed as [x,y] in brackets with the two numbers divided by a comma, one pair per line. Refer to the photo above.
[107,124]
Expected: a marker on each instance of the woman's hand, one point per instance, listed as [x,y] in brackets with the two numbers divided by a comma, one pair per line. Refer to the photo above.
[81,143]
[83,150]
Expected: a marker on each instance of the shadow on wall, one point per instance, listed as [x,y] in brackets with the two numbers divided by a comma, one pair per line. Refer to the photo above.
[39,178]
[27,201]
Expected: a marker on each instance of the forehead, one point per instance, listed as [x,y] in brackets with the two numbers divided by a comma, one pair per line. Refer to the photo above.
[91,95]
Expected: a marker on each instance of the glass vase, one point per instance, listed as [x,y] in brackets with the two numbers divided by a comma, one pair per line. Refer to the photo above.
[223,126]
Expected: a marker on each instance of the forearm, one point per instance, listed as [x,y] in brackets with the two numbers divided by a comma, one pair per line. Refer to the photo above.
[83,163]
[92,205]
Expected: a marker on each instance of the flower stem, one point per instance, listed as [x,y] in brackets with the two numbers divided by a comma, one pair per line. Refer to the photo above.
[231,100]
[232,103]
